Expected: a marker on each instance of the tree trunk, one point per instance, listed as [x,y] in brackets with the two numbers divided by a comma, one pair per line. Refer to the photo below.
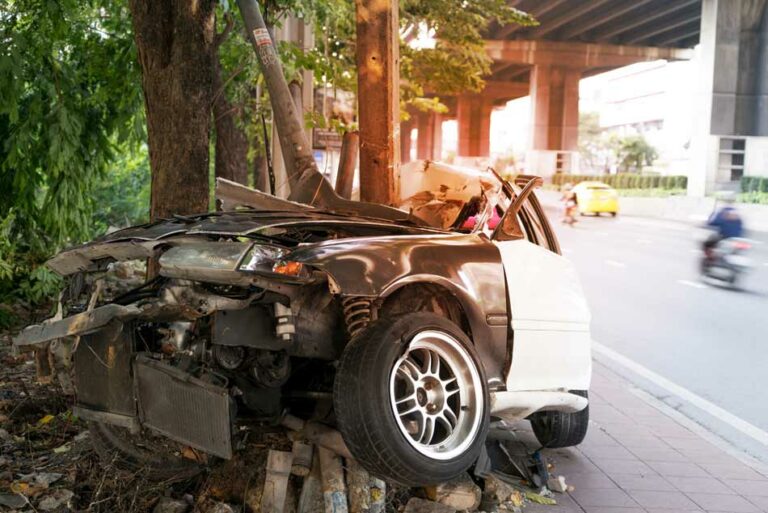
[231,160]
[175,42]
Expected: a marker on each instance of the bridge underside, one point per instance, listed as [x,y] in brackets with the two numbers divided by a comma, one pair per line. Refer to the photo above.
[579,38]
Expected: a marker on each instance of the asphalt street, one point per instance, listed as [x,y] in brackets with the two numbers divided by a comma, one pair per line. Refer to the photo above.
[651,309]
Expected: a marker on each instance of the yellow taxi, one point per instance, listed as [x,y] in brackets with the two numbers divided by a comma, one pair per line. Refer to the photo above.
[596,198]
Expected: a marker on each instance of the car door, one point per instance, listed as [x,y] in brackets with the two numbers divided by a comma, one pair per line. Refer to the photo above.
[549,313]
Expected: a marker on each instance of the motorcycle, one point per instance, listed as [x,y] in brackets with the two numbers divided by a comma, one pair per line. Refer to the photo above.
[726,261]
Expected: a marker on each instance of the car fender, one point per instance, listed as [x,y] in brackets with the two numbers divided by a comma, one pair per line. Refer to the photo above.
[466,265]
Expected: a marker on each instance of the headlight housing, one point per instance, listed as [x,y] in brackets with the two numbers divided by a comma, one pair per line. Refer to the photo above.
[204,256]
[226,261]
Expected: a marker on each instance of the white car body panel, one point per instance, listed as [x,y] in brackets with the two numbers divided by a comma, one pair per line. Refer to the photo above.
[550,320]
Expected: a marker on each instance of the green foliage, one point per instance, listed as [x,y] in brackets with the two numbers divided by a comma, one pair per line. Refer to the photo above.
[633,152]
[627,181]
[754,184]
[601,150]
[121,198]
[69,92]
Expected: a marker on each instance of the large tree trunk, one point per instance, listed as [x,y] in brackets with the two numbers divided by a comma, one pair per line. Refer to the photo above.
[175,42]
[231,142]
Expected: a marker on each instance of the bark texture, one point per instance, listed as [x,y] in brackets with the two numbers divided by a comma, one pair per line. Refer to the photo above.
[175,43]
[378,99]
[231,160]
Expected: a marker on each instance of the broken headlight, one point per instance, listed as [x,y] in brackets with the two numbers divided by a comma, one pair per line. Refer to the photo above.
[260,258]
[205,256]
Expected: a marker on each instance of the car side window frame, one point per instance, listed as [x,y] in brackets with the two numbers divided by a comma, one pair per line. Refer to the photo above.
[529,220]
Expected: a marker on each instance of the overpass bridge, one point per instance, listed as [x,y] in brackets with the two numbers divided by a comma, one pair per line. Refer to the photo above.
[579,38]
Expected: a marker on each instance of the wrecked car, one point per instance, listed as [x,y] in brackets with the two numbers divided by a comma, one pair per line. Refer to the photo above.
[409,333]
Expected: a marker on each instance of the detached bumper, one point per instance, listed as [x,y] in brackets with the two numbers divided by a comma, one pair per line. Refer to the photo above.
[78,324]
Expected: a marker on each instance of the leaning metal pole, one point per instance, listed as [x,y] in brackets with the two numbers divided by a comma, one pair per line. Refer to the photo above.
[308,186]
[303,176]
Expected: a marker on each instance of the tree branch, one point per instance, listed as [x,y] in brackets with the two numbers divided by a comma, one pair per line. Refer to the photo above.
[224,34]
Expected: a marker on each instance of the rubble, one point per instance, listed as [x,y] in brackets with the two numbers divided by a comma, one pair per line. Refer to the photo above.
[48,465]
[169,505]
[557,484]
[58,498]
[12,500]
[461,493]
[222,507]
[416,505]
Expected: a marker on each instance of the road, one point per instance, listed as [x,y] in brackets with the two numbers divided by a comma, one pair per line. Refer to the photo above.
[649,305]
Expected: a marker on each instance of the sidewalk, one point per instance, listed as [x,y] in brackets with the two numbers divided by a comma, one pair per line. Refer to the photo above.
[637,459]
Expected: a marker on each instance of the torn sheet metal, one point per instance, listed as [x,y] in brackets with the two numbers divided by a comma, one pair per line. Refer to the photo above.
[77,324]
[436,193]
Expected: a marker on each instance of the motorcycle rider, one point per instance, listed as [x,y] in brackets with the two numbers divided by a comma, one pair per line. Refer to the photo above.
[728,224]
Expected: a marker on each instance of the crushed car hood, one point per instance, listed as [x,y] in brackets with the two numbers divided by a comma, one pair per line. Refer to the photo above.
[140,241]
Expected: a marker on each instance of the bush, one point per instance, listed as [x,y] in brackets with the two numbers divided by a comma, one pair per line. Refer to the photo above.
[754,184]
[636,181]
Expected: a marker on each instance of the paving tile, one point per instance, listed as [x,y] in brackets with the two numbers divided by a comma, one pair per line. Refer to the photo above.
[589,481]
[709,454]
[644,483]
[664,510]
[759,501]
[657,499]
[749,486]
[598,438]
[722,502]
[603,509]
[560,508]
[616,452]
[687,442]
[700,484]
[606,498]
[678,469]
[565,504]
[736,470]
[613,466]
[647,441]
[672,429]
[659,453]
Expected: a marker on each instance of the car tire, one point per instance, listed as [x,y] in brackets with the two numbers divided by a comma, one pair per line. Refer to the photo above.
[392,379]
[613,214]
[554,429]
[144,453]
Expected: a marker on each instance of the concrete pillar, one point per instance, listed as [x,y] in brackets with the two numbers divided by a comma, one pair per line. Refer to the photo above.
[554,107]
[430,137]
[733,91]
[473,113]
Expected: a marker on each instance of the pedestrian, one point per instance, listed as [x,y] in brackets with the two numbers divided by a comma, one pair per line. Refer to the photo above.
[570,204]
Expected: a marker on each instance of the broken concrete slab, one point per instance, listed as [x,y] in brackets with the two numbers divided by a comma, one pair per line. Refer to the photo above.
[461,493]
[557,484]
[169,505]
[12,500]
[416,505]
[55,500]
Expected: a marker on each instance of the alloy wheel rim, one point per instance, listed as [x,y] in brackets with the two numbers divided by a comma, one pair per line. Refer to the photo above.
[436,395]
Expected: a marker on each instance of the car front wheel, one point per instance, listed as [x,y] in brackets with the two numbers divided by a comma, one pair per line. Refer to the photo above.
[410,399]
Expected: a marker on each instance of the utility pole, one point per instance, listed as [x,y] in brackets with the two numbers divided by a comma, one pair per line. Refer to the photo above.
[378,96]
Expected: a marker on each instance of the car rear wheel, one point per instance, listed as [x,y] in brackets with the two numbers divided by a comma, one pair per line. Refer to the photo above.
[155,457]
[411,400]
[555,429]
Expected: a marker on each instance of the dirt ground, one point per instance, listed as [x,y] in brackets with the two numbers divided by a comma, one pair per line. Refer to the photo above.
[48,464]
